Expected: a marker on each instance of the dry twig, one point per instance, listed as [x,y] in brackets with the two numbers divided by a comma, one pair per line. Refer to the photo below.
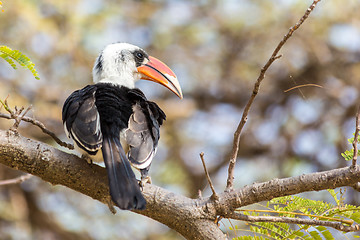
[274,56]
[337,225]
[16,180]
[303,85]
[214,195]
[16,115]
[356,135]
[344,221]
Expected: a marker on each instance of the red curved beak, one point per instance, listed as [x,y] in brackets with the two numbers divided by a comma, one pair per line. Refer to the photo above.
[157,71]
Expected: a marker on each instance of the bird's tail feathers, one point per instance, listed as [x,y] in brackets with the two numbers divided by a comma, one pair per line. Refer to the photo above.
[124,188]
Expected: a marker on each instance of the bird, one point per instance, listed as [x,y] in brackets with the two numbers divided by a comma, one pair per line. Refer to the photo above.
[102,116]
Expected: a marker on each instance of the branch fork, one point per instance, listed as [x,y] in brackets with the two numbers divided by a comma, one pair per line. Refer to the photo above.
[18,117]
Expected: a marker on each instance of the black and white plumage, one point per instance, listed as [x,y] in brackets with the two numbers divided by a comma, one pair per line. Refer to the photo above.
[99,116]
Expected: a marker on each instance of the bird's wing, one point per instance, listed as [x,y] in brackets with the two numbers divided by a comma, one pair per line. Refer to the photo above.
[142,134]
[82,121]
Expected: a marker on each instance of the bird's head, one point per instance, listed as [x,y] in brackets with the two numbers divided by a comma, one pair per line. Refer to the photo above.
[124,64]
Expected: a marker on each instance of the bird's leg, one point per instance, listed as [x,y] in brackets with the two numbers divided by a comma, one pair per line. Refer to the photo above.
[145,178]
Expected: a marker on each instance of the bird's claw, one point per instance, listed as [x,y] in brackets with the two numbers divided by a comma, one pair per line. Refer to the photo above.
[143,181]
[111,205]
[87,159]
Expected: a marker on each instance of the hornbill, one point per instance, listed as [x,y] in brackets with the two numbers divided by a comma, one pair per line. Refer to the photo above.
[111,111]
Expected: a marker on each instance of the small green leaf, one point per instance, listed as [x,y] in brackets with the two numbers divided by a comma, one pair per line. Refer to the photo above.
[315,235]
[333,194]
[327,234]
[348,155]
[356,217]
[10,56]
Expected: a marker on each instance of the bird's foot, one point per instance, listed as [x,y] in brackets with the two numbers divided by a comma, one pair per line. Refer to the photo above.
[144,180]
[87,159]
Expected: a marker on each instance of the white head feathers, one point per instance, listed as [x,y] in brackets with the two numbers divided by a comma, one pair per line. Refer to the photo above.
[117,64]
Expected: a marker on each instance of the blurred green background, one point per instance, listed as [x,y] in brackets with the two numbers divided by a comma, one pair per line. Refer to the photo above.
[217,49]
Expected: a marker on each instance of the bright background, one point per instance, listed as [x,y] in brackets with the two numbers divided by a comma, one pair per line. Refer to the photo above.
[217,49]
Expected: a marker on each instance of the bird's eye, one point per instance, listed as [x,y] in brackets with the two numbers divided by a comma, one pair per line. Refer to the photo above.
[140,55]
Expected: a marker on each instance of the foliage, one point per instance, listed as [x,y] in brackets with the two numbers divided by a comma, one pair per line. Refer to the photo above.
[298,207]
[10,56]
[349,154]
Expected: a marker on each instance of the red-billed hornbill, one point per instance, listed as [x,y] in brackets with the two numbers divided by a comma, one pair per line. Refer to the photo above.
[98,116]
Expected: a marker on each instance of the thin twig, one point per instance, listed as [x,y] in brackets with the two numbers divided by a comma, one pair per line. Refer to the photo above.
[274,56]
[2,103]
[349,222]
[356,135]
[233,227]
[304,85]
[218,219]
[18,118]
[16,180]
[336,225]
[214,195]
[199,194]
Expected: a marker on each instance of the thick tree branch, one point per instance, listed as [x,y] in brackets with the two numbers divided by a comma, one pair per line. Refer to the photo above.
[274,56]
[193,218]
[189,217]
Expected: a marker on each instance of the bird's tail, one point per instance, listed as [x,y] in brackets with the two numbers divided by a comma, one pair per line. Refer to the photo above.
[124,188]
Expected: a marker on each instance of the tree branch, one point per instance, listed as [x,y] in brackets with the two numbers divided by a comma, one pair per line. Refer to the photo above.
[266,191]
[214,195]
[193,218]
[356,135]
[187,216]
[274,56]
[16,116]
[15,180]
[337,225]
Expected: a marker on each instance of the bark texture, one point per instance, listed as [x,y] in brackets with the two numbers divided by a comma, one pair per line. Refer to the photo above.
[192,218]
